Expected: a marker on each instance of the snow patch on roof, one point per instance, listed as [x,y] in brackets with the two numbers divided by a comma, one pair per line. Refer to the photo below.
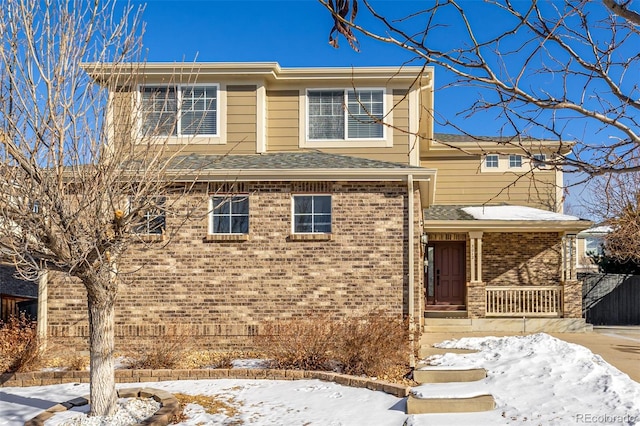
[515,213]
[602,229]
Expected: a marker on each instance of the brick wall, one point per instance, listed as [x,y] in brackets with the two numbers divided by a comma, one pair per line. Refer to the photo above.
[223,291]
[521,258]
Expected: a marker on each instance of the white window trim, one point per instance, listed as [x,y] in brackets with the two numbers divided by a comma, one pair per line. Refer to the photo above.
[210,215]
[387,134]
[486,161]
[515,167]
[293,212]
[539,165]
[221,104]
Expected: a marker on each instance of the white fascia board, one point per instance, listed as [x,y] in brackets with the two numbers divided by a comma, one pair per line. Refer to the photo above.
[369,175]
[506,225]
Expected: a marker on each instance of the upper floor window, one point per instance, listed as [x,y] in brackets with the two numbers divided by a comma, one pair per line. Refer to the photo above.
[312,214]
[515,161]
[345,114]
[491,161]
[539,160]
[180,110]
[150,220]
[230,214]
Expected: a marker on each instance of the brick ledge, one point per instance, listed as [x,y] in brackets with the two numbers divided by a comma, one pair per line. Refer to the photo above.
[43,378]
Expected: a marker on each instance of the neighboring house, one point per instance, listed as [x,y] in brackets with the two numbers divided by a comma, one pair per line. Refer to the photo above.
[590,243]
[16,294]
[307,205]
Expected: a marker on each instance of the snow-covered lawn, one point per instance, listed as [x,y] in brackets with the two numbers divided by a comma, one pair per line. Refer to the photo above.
[536,380]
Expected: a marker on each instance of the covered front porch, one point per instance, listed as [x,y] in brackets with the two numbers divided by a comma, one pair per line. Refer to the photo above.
[501,266]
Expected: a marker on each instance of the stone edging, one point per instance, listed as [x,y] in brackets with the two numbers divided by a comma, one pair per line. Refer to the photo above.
[43,378]
[169,406]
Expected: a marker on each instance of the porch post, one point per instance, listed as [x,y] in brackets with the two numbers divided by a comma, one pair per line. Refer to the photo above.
[571,287]
[476,289]
[476,255]
[472,260]
[41,327]
[569,257]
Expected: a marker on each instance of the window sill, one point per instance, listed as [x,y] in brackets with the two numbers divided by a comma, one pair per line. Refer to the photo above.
[310,237]
[347,143]
[149,238]
[212,238]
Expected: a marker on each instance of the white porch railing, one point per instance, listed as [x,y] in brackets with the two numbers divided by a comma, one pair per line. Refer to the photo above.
[519,301]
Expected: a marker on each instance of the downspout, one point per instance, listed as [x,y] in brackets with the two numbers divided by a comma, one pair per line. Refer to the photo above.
[412,361]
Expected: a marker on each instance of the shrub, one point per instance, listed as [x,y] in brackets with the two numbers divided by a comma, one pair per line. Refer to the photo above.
[160,353]
[371,345]
[299,343]
[19,345]
[367,345]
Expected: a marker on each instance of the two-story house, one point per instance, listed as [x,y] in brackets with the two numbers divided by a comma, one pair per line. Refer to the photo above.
[325,190]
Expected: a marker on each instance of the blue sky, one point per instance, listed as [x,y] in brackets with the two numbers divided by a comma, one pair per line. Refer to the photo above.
[293,33]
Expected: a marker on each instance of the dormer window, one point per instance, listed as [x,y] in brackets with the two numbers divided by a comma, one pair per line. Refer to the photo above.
[179,110]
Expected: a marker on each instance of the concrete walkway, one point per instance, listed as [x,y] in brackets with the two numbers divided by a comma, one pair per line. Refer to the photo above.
[619,346]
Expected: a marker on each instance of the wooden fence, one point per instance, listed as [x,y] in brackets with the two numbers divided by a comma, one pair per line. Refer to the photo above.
[611,299]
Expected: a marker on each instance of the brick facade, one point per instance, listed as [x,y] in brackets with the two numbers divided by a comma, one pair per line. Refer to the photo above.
[223,290]
[521,258]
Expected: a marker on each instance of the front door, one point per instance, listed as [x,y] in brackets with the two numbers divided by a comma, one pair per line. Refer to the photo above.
[449,273]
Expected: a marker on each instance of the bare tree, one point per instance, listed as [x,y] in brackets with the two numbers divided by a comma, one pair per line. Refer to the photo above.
[615,200]
[564,70]
[76,190]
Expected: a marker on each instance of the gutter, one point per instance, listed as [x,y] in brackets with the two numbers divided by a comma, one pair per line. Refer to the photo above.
[245,175]
[411,260]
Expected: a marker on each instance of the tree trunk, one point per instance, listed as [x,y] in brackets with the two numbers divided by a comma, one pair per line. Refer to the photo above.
[102,375]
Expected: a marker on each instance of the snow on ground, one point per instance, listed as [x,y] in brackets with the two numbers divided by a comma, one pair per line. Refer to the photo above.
[535,379]
[539,380]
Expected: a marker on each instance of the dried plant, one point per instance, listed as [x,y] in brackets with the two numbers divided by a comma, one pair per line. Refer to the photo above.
[19,345]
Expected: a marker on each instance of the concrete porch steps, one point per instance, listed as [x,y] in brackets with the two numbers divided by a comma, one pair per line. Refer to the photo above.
[448,389]
[450,325]
[471,404]
[436,374]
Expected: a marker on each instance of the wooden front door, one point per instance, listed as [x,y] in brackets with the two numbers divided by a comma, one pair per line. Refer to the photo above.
[449,273]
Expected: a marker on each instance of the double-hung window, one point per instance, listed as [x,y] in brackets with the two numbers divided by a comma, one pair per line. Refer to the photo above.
[230,214]
[311,214]
[180,110]
[515,161]
[345,114]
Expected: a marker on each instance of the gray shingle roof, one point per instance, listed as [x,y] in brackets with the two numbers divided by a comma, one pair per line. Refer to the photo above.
[451,138]
[446,213]
[281,161]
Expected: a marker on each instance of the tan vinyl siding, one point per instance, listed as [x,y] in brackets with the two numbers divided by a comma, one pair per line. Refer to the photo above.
[122,116]
[283,128]
[399,152]
[282,120]
[241,121]
[460,181]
